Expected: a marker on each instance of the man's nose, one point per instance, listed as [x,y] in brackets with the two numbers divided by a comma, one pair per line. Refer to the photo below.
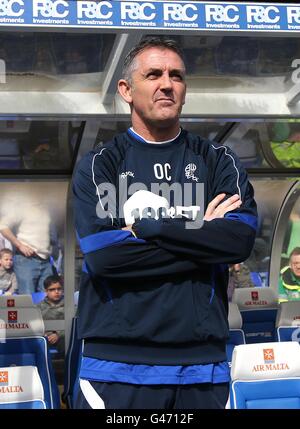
[165,81]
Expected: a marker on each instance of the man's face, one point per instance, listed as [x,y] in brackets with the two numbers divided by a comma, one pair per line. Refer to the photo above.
[295,265]
[158,88]
[54,292]
[6,261]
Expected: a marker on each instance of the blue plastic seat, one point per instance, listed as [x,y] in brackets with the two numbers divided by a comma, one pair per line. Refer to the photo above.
[288,321]
[265,376]
[28,405]
[258,307]
[37,297]
[24,343]
[267,394]
[32,351]
[256,279]
[21,388]
[288,333]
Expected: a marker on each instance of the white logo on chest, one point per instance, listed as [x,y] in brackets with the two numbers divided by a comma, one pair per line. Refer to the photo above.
[189,172]
[127,173]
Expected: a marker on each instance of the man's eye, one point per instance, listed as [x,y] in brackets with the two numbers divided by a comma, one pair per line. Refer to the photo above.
[152,75]
[177,77]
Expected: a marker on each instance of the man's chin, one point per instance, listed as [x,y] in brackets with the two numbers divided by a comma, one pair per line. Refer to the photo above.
[166,119]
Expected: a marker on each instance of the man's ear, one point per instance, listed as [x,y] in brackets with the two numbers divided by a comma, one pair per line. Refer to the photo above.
[125,90]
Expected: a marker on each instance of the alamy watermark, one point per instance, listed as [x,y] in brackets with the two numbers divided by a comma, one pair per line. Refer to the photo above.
[160,201]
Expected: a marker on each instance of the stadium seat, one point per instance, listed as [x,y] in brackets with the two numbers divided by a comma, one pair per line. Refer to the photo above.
[72,366]
[37,297]
[258,307]
[22,344]
[256,279]
[236,334]
[21,388]
[32,351]
[16,301]
[265,376]
[288,321]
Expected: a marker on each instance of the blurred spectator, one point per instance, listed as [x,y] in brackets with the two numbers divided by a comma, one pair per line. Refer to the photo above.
[52,308]
[5,244]
[285,142]
[275,56]
[40,147]
[25,222]
[57,256]
[239,276]
[237,56]
[289,280]
[75,62]
[44,60]
[8,280]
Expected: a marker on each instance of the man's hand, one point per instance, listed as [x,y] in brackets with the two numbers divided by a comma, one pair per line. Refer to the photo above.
[52,337]
[22,248]
[217,210]
[129,228]
[26,250]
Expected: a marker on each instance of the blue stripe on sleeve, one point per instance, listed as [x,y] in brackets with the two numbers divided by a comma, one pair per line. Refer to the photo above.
[249,220]
[100,240]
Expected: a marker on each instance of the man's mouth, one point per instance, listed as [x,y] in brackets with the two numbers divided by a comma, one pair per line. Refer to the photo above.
[166,100]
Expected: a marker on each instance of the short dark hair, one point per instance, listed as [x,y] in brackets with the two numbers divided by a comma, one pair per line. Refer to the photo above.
[295,252]
[50,280]
[149,42]
[5,251]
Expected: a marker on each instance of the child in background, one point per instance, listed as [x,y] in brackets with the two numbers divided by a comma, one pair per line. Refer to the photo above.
[8,280]
[52,308]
